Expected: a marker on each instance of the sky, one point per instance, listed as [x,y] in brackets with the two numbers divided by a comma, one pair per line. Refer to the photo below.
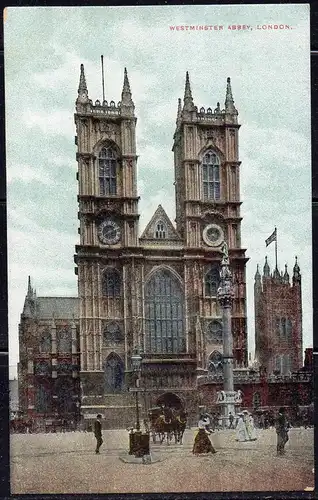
[270,75]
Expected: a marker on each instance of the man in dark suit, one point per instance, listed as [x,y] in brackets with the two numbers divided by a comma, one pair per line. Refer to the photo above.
[98,432]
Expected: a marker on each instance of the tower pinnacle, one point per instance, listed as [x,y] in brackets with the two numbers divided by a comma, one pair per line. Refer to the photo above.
[30,291]
[257,274]
[229,101]
[266,269]
[179,111]
[188,100]
[126,99]
[82,88]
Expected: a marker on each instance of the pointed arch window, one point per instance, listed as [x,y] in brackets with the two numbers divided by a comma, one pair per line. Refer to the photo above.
[64,340]
[211,176]
[161,230]
[164,313]
[211,282]
[111,283]
[45,342]
[107,166]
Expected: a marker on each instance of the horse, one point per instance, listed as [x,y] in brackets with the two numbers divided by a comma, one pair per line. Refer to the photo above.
[179,425]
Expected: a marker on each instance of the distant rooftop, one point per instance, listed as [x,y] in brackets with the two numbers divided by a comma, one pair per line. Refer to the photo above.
[59,307]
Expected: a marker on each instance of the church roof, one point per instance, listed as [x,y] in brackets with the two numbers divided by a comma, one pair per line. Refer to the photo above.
[160,216]
[59,307]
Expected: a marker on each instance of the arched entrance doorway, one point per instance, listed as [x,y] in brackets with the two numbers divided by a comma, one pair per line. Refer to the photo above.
[170,400]
[114,374]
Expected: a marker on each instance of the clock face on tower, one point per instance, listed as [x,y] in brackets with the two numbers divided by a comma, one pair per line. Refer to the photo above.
[109,232]
[213,235]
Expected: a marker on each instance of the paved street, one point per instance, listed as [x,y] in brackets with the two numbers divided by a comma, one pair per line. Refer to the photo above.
[66,463]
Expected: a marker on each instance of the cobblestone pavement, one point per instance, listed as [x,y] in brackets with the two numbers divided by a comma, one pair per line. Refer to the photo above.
[67,463]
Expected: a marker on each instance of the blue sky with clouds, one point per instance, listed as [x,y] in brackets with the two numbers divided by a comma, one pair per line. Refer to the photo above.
[270,73]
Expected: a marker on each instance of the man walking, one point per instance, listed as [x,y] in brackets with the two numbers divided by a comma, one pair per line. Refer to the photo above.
[231,420]
[98,432]
[282,426]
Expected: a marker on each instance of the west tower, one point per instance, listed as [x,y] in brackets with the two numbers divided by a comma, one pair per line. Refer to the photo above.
[108,215]
[207,188]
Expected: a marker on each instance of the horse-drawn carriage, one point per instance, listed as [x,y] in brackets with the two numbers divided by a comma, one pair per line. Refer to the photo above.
[167,422]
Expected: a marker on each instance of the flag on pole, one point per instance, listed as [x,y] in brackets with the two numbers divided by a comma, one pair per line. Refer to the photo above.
[271,238]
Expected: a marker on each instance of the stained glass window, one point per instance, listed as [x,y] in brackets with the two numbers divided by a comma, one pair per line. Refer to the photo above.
[107,163]
[45,342]
[211,176]
[164,312]
[111,283]
[64,340]
[212,279]
[161,231]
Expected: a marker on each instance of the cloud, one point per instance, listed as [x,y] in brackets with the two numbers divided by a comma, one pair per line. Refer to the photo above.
[23,172]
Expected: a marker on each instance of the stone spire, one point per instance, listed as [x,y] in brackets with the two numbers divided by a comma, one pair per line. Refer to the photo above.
[30,291]
[229,101]
[126,93]
[188,100]
[266,269]
[257,276]
[82,88]
[296,273]
[179,113]
[82,97]
[286,275]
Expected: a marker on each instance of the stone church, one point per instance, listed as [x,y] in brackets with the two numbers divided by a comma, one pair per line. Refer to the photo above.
[154,291]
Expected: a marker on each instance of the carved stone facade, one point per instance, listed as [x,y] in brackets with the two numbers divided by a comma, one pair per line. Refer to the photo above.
[157,291]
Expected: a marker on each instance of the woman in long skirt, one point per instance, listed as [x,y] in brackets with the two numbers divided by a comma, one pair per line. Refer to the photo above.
[202,443]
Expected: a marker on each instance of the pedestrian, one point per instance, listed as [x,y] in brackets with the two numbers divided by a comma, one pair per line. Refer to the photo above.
[202,443]
[231,420]
[98,433]
[250,427]
[241,431]
[282,427]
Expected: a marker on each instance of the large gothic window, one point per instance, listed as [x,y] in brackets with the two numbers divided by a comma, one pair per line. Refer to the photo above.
[211,282]
[64,340]
[161,231]
[211,176]
[45,342]
[107,161]
[42,399]
[111,283]
[164,302]
[114,374]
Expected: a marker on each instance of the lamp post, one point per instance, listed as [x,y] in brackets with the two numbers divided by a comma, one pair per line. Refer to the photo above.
[225,294]
[136,363]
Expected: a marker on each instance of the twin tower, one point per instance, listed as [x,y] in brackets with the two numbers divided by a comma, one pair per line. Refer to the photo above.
[155,291]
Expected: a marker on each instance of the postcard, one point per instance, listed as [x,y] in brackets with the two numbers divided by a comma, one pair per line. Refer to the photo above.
[159,242]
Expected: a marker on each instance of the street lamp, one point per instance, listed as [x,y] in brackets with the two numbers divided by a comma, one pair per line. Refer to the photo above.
[136,364]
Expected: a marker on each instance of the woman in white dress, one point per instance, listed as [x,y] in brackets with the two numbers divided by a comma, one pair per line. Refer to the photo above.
[241,431]
[250,428]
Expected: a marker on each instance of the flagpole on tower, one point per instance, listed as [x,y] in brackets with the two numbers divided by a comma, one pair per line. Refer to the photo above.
[276,247]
